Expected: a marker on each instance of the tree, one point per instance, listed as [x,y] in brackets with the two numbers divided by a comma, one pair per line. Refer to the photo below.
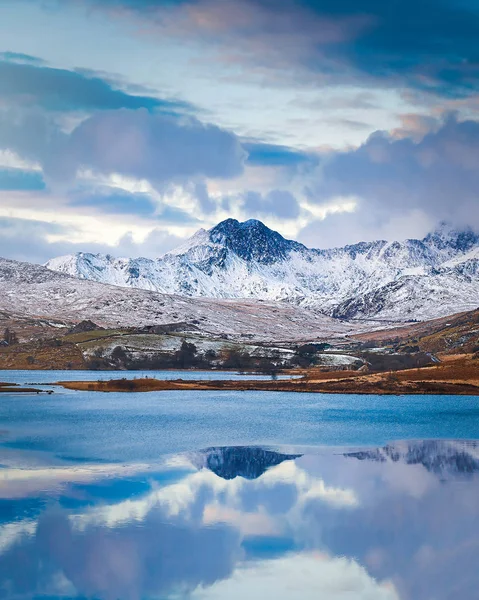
[307,350]
[210,355]
[186,356]
[235,359]
[119,355]
[305,355]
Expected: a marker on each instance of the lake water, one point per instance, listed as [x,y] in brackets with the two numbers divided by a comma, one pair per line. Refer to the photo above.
[233,495]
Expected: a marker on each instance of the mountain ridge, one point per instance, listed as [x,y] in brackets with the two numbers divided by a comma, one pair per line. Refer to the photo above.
[412,279]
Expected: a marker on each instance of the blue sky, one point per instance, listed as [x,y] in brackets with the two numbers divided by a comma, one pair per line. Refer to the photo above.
[125,126]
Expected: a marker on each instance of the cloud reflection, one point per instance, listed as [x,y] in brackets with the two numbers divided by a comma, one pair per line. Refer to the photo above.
[368,525]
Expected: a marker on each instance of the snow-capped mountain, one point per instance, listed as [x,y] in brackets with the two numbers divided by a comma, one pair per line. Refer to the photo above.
[413,279]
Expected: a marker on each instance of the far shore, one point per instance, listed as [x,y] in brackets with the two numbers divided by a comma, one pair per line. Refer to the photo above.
[455,375]
[459,376]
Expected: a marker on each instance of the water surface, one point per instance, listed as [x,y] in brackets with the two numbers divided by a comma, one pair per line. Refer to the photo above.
[209,495]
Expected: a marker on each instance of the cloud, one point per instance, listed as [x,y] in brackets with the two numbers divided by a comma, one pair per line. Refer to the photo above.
[154,560]
[278,203]
[120,202]
[38,241]
[117,202]
[155,147]
[405,181]
[137,143]
[306,576]
[207,204]
[424,46]
[338,229]
[32,83]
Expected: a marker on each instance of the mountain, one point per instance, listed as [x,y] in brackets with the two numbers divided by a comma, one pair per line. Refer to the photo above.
[28,290]
[412,279]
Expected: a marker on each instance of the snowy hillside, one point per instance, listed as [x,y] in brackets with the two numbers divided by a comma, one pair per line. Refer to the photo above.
[32,290]
[413,279]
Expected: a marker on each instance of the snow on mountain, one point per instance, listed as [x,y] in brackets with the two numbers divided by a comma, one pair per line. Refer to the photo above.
[32,290]
[413,279]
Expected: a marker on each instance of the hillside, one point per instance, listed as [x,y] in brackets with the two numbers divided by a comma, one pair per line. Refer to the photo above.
[448,335]
[28,290]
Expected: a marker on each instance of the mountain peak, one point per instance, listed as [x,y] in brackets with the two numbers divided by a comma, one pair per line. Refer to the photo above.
[252,240]
[230,226]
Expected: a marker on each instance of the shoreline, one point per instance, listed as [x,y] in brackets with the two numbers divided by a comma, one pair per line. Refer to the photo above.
[334,386]
[14,388]
[455,375]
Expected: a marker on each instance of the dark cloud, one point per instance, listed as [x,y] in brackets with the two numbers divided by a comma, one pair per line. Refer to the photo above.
[349,123]
[423,45]
[404,183]
[207,204]
[137,143]
[34,84]
[151,146]
[20,180]
[278,203]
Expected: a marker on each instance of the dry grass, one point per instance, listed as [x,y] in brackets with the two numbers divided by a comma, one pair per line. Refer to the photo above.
[42,355]
[454,377]
[453,334]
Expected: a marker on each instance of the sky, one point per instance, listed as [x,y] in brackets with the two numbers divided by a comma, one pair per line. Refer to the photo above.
[127,125]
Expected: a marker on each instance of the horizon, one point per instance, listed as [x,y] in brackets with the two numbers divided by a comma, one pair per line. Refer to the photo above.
[439,227]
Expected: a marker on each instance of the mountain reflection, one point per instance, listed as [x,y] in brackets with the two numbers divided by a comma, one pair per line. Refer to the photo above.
[398,522]
[240,461]
[439,457]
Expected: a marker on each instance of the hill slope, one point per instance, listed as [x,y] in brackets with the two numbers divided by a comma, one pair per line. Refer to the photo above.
[32,290]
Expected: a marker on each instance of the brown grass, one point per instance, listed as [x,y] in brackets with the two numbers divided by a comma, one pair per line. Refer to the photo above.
[42,355]
[454,377]
[453,334]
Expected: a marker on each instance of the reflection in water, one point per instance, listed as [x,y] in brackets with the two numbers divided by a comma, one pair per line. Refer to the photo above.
[399,522]
[240,461]
[436,456]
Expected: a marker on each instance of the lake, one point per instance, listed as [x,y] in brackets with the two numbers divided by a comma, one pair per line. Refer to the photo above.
[209,495]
